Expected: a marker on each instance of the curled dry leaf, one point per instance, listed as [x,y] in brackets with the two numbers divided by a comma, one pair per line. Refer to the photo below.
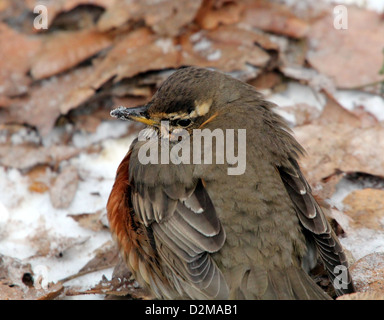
[165,17]
[90,221]
[63,50]
[42,108]
[105,257]
[64,188]
[138,52]
[116,287]
[52,291]
[340,146]
[16,53]
[276,18]
[351,57]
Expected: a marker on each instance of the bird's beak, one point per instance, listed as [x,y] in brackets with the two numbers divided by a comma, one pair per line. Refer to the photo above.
[138,114]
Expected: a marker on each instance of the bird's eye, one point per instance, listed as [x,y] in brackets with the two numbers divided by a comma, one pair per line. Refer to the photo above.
[183,122]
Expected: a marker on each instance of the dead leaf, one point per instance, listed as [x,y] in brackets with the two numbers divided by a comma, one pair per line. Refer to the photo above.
[116,287]
[106,256]
[120,285]
[58,6]
[41,107]
[63,50]
[227,49]
[165,17]
[52,291]
[16,54]
[210,16]
[138,52]
[64,188]
[40,179]
[27,156]
[89,221]
[334,113]
[12,273]
[266,80]
[338,146]
[365,208]
[351,57]
[368,273]
[276,18]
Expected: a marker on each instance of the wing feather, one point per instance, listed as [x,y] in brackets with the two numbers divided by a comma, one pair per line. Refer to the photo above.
[185,223]
[314,220]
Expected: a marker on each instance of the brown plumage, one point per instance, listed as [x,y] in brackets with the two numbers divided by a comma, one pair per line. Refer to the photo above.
[193,231]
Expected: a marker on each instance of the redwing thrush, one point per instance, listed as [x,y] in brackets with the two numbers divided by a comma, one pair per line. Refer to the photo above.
[191,230]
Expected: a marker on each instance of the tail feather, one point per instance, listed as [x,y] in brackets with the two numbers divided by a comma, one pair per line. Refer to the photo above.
[291,283]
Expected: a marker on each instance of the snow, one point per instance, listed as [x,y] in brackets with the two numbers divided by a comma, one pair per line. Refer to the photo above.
[359,241]
[353,99]
[297,93]
[27,217]
[363,241]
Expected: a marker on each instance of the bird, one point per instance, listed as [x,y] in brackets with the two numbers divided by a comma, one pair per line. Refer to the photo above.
[191,230]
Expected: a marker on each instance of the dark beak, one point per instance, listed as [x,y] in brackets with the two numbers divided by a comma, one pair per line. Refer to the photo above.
[138,114]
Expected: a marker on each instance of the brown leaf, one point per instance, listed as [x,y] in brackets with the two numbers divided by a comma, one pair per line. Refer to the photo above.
[342,147]
[227,49]
[116,287]
[58,6]
[276,18]
[16,54]
[120,285]
[106,256]
[27,156]
[52,291]
[368,273]
[42,107]
[89,220]
[165,18]
[138,52]
[334,113]
[63,50]
[210,16]
[40,179]
[64,188]
[366,208]
[51,245]
[8,291]
[13,270]
[266,80]
[17,282]
[352,57]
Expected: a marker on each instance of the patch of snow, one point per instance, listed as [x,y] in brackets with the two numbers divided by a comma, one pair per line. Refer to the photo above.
[352,100]
[25,215]
[362,242]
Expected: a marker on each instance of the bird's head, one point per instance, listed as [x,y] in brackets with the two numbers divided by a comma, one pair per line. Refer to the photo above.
[189,99]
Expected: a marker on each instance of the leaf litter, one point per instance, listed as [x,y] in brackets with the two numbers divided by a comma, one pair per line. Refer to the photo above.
[59,149]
